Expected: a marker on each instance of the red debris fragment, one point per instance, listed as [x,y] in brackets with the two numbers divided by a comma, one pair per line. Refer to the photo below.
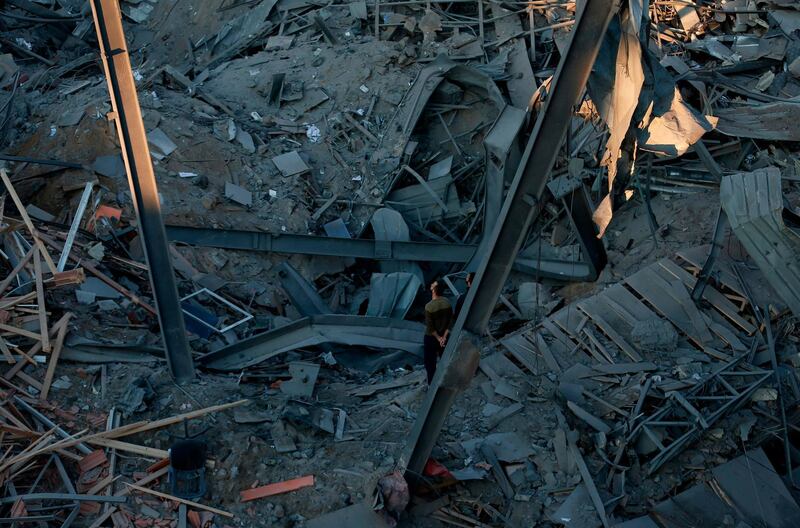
[164,462]
[18,509]
[194,518]
[92,460]
[435,469]
[277,488]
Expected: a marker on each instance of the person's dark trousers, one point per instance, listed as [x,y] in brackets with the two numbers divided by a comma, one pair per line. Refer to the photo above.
[432,351]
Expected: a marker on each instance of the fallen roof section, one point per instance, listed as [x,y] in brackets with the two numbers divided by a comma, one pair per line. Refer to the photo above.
[349,330]
[753,202]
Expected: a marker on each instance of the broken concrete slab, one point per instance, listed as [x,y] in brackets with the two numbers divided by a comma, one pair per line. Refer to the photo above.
[238,194]
[577,511]
[304,377]
[112,166]
[337,229]
[279,42]
[290,164]
[39,214]
[71,117]
[245,140]
[161,143]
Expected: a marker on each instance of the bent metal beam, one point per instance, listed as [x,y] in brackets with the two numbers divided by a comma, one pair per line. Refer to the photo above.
[142,180]
[522,205]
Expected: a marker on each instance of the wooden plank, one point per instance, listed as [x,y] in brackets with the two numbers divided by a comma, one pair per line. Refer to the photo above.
[497,470]
[20,331]
[53,360]
[561,342]
[369,390]
[522,349]
[547,354]
[14,272]
[627,306]
[6,352]
[498,367]
[276,488]
[593,421]
[127,447]
[592,346]
[148,426]
[29,380]
[652,288]
[10,302]
[725,333]
[184,501]
[712,295]
[626,368]
[570,320]
[590,485]
[505,413]
[592,307]
[25,218]
[35,349]
[41,307]
[680,294]
[697,256]
[595,343]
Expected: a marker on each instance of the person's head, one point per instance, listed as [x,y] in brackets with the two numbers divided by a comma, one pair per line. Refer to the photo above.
[437,289]
[470,277]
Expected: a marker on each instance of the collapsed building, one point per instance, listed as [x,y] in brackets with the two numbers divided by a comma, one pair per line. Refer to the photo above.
[219,220]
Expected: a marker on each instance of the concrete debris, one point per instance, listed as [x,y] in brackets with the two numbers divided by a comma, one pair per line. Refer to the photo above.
[654,335]
[231,330]
[290,164]
[304,376]
[238,194]
[111,166]
[163,146]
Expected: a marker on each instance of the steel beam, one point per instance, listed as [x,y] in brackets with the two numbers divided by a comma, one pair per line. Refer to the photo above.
[142,180]
[520,208]
[322,245]
[398,250]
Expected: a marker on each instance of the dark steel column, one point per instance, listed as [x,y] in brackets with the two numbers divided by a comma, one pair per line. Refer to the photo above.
[521,206]
[142,180]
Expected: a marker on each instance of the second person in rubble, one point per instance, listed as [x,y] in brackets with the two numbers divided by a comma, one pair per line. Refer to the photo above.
[438,319]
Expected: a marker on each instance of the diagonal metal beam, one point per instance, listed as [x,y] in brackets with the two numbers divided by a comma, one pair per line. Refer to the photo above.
[521,207]
[142,180]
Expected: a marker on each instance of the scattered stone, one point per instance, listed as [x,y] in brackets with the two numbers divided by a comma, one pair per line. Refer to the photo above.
[656,335]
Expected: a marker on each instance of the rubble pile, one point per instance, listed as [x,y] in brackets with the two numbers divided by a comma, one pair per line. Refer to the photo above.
[317,165]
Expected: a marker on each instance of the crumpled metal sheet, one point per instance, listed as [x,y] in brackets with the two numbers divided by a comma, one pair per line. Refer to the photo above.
[402,124]
[389,225]
[391,294]
[773,121]
[753,202]
[349,330]
[618,104]
[672,133]
[638,100]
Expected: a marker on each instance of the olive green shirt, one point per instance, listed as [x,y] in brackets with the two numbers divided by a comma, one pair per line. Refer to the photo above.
[438,316]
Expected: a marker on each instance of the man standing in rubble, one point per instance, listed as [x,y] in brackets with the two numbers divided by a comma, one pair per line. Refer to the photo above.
[438,318]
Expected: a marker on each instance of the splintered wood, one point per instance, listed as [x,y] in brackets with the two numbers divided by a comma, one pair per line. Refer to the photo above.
[22,339]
